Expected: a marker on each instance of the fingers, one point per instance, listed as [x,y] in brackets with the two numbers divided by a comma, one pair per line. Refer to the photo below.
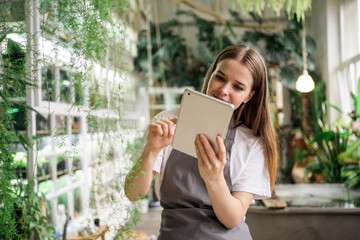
[206,147]
[163,127]
[206,152]
[201,152]
[221,148]
[168,127]
[156,129]
[202,149]
[174,120]
[197,150]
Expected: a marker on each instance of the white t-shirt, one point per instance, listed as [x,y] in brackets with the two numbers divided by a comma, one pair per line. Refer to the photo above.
[248,168]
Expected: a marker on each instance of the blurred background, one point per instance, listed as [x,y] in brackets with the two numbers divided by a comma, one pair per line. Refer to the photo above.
[81,80]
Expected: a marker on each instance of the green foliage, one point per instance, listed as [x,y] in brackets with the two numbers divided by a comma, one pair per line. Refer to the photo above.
[331,146]
[7,196]
[356,99]
[91,31]
[13,74]
[182,66]
[326,147]
[294,9]
[172,54]
[352,175]
[20,216]
[29,220]
[300,155]
[348,149]
[284,49]
[317,98]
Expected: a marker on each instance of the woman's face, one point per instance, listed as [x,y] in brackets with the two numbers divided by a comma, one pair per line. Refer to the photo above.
[231,82]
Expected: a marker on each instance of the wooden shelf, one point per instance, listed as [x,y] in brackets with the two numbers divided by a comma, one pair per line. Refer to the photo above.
[58,173]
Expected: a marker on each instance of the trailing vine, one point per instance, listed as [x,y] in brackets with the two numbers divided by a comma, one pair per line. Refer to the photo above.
[293,8]
[93,32]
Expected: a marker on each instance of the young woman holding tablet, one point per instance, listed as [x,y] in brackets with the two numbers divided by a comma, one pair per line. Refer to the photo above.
[207,197]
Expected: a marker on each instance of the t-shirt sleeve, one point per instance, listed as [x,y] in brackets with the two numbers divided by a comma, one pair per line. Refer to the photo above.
[254,175]
[158,162]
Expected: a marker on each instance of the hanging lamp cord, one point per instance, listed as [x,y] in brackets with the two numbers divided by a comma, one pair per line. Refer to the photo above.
[304,53]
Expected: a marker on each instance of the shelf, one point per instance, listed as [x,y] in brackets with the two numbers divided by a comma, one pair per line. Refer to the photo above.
[58,174]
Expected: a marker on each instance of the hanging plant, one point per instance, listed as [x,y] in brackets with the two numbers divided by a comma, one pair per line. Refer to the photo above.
[294,8]
[85,29]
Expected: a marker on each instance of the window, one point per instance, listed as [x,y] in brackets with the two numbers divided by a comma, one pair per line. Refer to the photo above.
[349,70]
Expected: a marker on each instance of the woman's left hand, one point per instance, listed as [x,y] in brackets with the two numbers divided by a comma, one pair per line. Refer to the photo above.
[210,164]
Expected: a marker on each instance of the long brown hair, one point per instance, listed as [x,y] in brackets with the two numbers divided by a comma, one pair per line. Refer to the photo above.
[255,114]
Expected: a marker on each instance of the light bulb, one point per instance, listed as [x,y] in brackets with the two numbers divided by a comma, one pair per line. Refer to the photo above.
[305,83]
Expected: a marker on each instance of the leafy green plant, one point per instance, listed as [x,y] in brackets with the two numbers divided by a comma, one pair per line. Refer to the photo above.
[294,9]
[326,147]
[334,148]
[170,61]
[351,171]
[300,156]
[89,30]
[20,212]
[351,174]
[331,147]
[30,221]
[282,50]
[7,196]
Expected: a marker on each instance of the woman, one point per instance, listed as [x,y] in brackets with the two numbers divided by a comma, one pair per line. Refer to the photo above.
[208,198]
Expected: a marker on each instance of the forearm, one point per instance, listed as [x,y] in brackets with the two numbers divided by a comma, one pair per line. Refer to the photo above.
[229,210]
[139,178]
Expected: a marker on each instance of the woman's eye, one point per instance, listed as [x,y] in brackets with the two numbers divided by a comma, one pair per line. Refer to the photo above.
[238,87]
[220,78]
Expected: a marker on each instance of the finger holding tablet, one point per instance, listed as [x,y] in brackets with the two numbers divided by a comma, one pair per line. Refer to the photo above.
[210,164]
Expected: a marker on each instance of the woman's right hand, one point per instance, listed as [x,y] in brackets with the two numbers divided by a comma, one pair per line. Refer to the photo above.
[161,133]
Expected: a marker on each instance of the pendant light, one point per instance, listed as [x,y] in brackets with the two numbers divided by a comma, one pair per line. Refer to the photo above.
[304,83]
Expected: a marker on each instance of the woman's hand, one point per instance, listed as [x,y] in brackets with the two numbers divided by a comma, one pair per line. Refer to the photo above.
[210,164]
[161,133]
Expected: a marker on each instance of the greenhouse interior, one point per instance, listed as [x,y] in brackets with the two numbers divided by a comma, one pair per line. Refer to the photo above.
[82,82]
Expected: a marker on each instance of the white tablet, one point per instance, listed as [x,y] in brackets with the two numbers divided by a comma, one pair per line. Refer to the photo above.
[200,113]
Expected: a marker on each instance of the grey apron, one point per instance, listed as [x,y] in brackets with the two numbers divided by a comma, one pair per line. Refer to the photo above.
[187,210]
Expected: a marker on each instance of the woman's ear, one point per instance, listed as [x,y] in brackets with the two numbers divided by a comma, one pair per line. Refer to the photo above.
[249,97]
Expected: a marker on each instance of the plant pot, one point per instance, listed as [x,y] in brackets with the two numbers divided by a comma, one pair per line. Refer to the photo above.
[298,174]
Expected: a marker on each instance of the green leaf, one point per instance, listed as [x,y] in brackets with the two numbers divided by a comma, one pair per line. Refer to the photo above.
[333,106]
[290,40]
[289,74]
[32,225]
[311,65]
[327,136]
[350,149]
[310,44]
[228,26]
[236,16]
[256,17]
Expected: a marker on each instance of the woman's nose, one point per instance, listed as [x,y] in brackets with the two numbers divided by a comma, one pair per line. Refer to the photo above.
[224,89]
